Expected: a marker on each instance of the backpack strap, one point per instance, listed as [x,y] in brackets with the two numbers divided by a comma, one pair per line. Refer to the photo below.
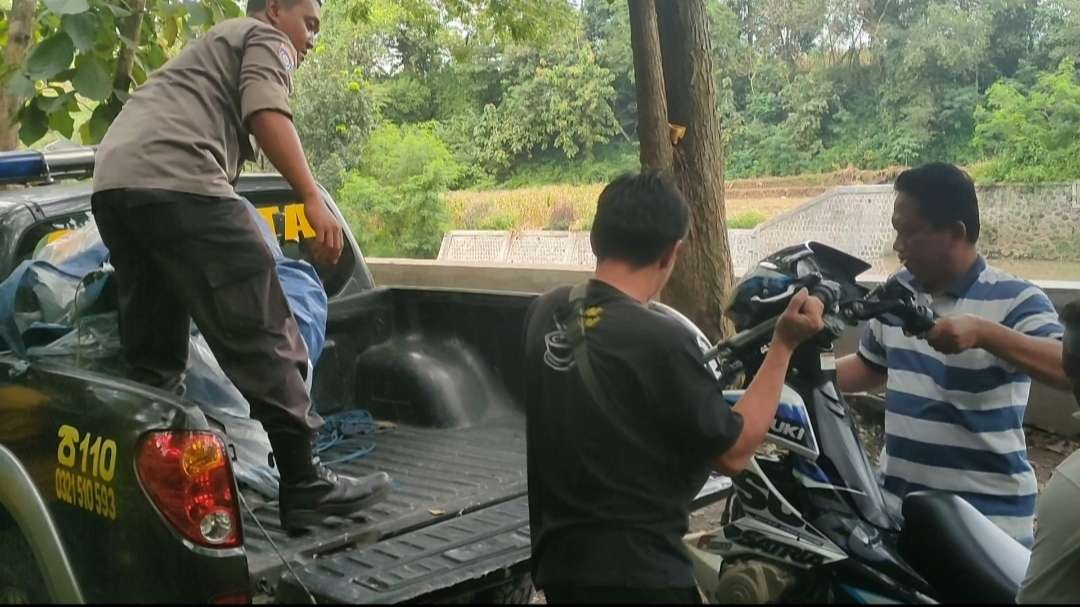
[574,325]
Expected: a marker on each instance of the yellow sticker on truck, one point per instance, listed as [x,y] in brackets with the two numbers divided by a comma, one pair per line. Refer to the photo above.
[295,222]
[86,468]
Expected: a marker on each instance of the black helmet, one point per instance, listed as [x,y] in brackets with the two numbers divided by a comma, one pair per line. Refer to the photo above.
[773,276]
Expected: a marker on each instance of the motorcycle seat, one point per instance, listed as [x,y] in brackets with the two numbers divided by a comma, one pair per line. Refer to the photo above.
[964,556]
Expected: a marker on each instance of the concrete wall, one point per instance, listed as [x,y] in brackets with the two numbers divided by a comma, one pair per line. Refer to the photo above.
[1039,222]
[542,248]
[1031,221]
[463,275]
[1020,222]
[1048,409]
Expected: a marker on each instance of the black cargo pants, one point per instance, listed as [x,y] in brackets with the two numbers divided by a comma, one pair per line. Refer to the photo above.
[182,256]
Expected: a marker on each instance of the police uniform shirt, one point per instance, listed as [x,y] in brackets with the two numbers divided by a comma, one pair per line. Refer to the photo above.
[185,129]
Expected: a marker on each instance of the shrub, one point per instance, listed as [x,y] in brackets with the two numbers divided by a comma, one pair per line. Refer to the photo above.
[501,221]
[531,208]
[562,217]
[1030,134]
[746,220]
[392,201]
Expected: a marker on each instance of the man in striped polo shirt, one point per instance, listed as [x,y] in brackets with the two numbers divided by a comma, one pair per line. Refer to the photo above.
[955,398]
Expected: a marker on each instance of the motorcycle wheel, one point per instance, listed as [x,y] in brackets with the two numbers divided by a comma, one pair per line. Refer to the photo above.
[753,582]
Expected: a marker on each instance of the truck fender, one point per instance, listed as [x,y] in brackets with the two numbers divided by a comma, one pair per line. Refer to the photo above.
[21,499]
[431,381]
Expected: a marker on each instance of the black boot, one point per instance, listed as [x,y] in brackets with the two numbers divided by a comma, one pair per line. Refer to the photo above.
[311,494]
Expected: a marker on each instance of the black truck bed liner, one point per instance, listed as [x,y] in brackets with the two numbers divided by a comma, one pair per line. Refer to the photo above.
[439,474]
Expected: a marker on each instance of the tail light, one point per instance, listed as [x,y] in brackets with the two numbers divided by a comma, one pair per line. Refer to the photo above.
[187,476]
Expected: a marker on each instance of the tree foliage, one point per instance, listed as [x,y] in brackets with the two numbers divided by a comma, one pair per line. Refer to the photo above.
[1029,133]
[526,91]
[511,86]
[565,106]
[392,199]
[72,70]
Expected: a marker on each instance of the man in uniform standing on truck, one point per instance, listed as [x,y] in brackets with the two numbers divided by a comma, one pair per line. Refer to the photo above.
[185,246]
[618,446]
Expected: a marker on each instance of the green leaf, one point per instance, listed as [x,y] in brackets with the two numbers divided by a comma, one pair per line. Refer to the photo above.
[117,10]
[171,10]
[155,57]
[62,123]
[20,85]
[67,7]
[64,76]
[91,79]
[171,31]
[51,104]
[82,29]
[106,30]
[231,8]
[139,72]
[199,13]
[52,56]
[99,122]
[218,14]
[34,124]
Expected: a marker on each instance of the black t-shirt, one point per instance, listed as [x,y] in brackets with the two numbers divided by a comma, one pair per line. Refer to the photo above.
[610,490]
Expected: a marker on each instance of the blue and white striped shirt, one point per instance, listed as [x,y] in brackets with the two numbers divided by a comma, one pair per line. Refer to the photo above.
[955,422]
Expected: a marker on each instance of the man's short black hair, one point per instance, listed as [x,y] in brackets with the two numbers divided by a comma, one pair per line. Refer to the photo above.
[944,194]
[254,6]
[638,217]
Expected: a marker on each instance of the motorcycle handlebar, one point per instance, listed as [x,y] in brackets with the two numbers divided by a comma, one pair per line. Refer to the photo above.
[917,319]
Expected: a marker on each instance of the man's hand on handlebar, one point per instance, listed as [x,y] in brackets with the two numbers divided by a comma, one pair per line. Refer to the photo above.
[955,334]
[800,321]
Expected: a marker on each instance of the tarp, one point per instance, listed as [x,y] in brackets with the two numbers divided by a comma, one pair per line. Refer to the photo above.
[51,307]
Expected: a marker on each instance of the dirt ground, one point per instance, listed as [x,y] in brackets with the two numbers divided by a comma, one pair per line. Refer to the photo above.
[766,207]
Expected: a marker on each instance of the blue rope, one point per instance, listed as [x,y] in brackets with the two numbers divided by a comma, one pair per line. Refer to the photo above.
[346,429]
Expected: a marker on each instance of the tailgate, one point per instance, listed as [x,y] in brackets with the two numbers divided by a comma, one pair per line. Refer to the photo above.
[419,563]
[445,479]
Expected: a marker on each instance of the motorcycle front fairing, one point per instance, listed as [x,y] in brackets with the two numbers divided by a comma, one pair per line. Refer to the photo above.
[841,466]
[845,501]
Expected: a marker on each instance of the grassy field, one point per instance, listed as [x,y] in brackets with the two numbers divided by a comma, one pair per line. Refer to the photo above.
[562,207]
[749,202]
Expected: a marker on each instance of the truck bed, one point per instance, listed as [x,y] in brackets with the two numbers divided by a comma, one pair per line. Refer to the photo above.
[458,503]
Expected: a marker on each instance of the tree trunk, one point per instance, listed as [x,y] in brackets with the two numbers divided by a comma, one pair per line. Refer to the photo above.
[702,277]
[130,29]
[655,142]
[20,30]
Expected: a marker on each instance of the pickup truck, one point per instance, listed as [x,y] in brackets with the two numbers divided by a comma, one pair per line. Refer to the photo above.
[82,520]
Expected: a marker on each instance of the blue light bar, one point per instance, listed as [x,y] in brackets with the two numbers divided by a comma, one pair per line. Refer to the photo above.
[47,166]
[22,167]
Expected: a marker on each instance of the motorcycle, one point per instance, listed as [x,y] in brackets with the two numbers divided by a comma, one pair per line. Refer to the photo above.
[808,522]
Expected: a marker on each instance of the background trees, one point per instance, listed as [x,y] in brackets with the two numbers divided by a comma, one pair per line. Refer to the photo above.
[521,92]
[528,92]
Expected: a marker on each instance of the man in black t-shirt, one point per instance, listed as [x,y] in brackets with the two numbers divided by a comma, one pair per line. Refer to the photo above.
[611,478]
